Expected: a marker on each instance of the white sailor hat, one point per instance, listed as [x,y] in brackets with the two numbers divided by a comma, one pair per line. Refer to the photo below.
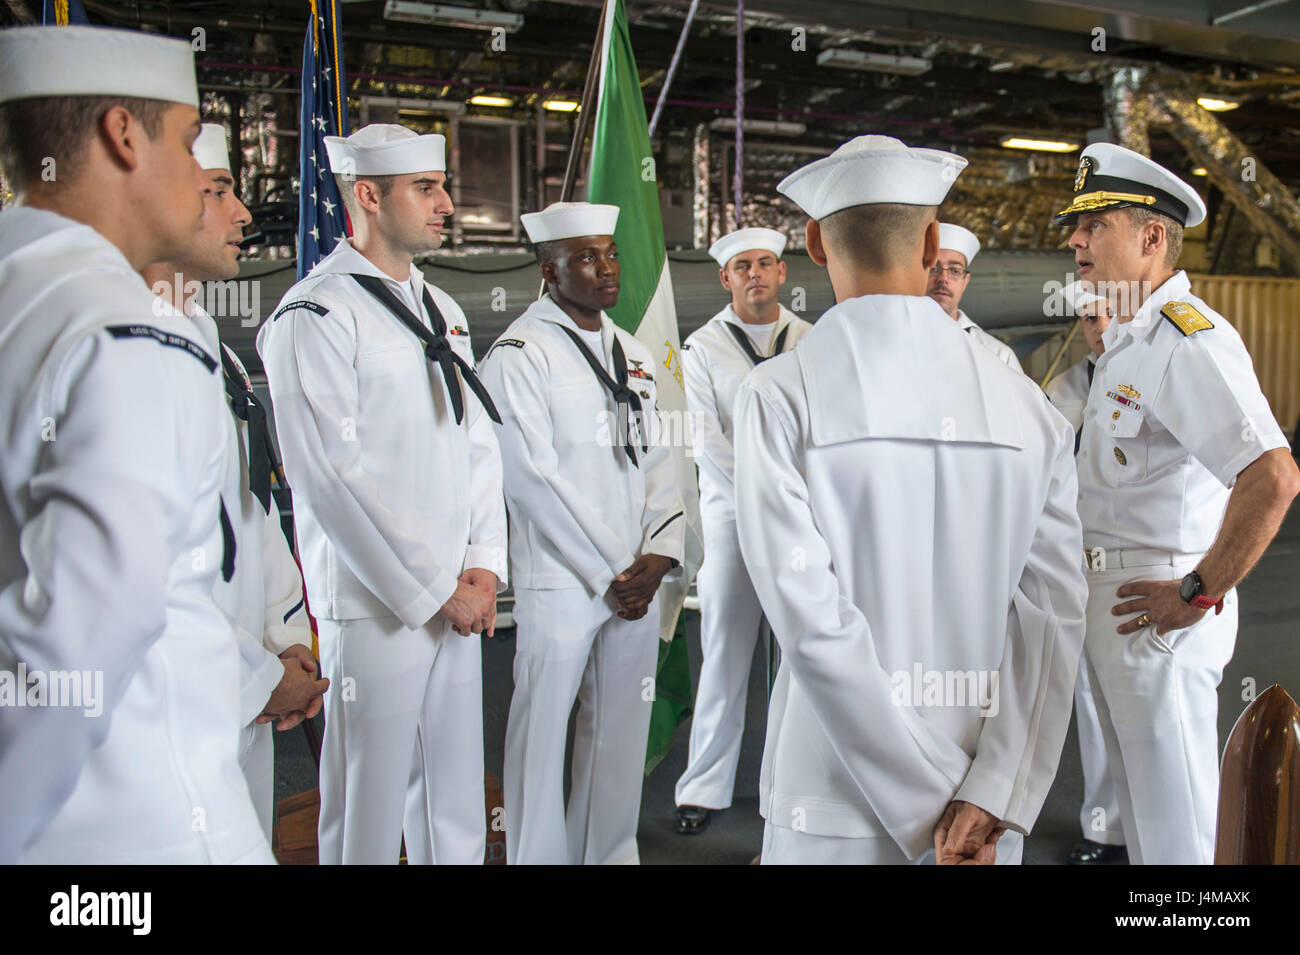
[569,220]
[956,239]
[872,169]
[1079,295]
[385,149]
[211,149]
[95,61]
[746,240]
[1112,177]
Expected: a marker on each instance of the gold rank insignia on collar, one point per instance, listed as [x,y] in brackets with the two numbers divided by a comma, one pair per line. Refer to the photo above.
[1185,317]
[1119,456]
[1130,391]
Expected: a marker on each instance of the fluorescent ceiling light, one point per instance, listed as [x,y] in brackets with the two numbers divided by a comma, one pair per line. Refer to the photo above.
[485,100]
[561,105]
[759,126]
[411,105]
[1216,104]
[1041,145]
[873,62]
[1200,171]
[467,18]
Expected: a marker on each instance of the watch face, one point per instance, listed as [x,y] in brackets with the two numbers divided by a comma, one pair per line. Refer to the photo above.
[1191,586]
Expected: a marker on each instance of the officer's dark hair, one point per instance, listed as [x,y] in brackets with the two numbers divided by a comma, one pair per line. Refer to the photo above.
[34,131]
[1173,231]
[876,237]
[383,185]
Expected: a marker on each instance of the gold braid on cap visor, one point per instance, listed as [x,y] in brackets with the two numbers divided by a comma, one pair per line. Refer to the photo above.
[1098,200]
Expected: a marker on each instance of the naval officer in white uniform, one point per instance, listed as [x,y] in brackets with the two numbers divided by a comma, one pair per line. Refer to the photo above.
[389,447]
[949,277]
[112,451]
[1184,478]
[264,599]
[715,359]
[906,510]
[596,523]
[1103,830]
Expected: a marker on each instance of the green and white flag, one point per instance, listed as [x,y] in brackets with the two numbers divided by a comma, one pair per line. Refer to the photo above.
[622,173]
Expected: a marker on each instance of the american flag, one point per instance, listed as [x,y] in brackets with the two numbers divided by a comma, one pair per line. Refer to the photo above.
[321,220]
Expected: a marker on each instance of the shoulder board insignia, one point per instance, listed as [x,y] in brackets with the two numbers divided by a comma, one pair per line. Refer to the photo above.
[686,346]
[165,338]
[1185,317]
[311,306]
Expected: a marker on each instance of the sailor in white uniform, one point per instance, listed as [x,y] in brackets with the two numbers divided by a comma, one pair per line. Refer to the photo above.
[596,523]
[112,451]
[913,547]
[1103,831]
[949,277]
[264,599]
[388,445]
[1184,478]
[715,359]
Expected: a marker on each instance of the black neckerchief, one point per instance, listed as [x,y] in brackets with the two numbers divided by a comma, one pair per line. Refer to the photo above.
[1078,435]
[747,346]
[622,394]
[246,407]
[436,346]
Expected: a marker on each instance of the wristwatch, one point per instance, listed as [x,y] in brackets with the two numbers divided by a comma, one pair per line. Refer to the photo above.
[1190,591]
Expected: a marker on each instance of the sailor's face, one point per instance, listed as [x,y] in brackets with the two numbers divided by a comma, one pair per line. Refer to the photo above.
[416,210]
[176,183]
[216,247]
[1095,319]
[587,271]
[1107,247]
[754,277]
[948,280]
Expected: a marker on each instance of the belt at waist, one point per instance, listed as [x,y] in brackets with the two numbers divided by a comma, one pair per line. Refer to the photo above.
[1119,558]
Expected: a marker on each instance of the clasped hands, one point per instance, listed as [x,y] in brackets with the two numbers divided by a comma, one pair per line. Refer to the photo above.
[473,606]
[966,835]
[633,589]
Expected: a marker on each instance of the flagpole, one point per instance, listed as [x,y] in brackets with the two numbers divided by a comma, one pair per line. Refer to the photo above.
[587,109]
[586,116]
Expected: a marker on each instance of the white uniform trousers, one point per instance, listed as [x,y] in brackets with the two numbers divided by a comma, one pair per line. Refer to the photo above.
[1157,704]
[571,645]
[1099,816]
[730,622]
[403,746]
[783,846]
[257,760]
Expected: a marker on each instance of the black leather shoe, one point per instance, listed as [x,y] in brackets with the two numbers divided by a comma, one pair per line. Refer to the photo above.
[1088,852]
[692,820]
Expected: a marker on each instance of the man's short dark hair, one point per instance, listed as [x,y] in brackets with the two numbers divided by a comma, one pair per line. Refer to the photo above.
[546,251]
[34,131]
[1173,231]
[876,237]
[383,185]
